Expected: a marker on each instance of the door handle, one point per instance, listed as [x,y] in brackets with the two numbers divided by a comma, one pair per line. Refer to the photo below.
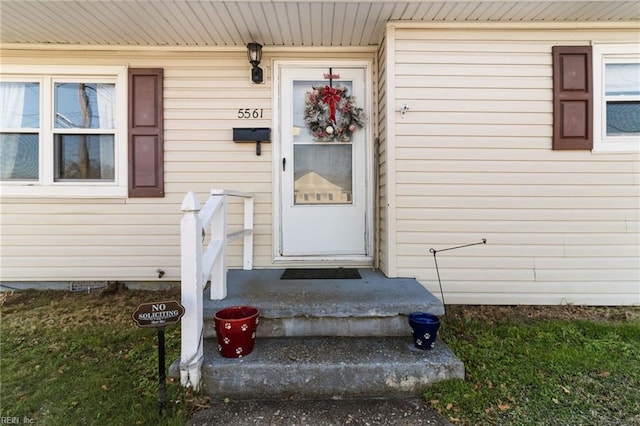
[284,164]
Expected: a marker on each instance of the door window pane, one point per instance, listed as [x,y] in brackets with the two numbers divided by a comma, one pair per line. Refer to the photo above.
[323,174]
[88,157]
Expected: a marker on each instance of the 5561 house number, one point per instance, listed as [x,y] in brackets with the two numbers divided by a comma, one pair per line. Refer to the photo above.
[247,113]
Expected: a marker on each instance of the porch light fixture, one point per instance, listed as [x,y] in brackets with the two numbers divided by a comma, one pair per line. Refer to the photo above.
[254,52]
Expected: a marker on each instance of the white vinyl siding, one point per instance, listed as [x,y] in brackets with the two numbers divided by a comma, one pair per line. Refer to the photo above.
[473,160]
[380,156]
[127,239]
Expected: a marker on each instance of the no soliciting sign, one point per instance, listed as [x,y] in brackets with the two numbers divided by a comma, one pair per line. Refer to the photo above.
[158,314]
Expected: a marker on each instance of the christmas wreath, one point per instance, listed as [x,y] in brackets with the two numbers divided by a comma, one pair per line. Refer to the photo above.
[331,114]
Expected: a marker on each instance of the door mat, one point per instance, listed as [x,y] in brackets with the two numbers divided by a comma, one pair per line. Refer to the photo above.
[321,274]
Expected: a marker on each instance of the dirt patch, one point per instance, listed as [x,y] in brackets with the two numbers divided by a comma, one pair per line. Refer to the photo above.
[398,412]
[50,308]
[530,313]
[117,303]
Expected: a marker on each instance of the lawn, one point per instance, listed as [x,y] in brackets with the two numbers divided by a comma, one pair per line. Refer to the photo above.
[542,366]
[78,358]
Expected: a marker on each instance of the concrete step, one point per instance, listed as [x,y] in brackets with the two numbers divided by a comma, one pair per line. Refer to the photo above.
[328,367]
[323,412]
[371,306]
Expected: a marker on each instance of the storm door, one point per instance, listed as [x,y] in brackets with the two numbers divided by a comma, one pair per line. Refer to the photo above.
[323,166]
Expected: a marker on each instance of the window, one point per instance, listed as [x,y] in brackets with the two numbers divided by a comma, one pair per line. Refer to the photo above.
[20,124]
[83,133]
[63,131]
[617,98]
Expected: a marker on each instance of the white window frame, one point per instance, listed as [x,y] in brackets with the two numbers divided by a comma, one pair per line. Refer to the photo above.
[604,54]
[46,186]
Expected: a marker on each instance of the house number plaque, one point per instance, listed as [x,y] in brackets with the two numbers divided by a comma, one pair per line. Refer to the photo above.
[247,113]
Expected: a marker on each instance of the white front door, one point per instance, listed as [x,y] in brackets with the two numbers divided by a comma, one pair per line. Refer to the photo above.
[324,204]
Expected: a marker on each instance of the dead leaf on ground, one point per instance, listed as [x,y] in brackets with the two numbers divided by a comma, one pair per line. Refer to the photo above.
[503,407]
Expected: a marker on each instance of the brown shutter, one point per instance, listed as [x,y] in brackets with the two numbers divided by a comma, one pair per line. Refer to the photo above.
[146,153]
[572,98]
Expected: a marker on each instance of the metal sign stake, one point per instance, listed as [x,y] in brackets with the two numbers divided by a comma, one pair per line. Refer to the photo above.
[162,377]
[159,315]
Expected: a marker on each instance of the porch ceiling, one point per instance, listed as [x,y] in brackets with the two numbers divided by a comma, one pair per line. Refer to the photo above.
[218,23]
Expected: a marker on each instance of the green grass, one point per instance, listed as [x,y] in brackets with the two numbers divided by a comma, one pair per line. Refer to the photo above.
[79,359]
[542,372]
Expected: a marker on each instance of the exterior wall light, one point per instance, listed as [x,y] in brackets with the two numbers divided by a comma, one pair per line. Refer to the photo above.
[254,52]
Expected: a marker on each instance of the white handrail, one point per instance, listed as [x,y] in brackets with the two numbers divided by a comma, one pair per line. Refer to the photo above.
[199,266]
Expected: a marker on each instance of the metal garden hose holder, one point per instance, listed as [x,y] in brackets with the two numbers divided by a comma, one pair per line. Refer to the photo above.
[435,252]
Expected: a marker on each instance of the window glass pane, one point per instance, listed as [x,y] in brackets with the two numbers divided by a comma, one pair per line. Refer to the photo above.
[322,174]
[623,118]
[19,105]
[622,91]
[622,79]
[89,157]
[18,156]
[84,105]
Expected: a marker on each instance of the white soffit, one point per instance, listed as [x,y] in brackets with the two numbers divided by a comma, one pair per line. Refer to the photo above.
[217,23]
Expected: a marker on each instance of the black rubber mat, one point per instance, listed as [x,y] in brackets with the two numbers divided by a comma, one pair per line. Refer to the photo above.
[321,274]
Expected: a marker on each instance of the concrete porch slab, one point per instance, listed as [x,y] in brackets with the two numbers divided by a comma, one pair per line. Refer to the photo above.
[371,306]
[328,367]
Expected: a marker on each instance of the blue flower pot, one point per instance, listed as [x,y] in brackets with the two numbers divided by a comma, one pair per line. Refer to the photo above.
[424,329]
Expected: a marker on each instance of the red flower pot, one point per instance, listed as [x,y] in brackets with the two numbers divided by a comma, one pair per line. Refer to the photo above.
[236,330]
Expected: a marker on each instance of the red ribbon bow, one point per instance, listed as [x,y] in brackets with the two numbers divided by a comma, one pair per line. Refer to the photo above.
[331,96]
